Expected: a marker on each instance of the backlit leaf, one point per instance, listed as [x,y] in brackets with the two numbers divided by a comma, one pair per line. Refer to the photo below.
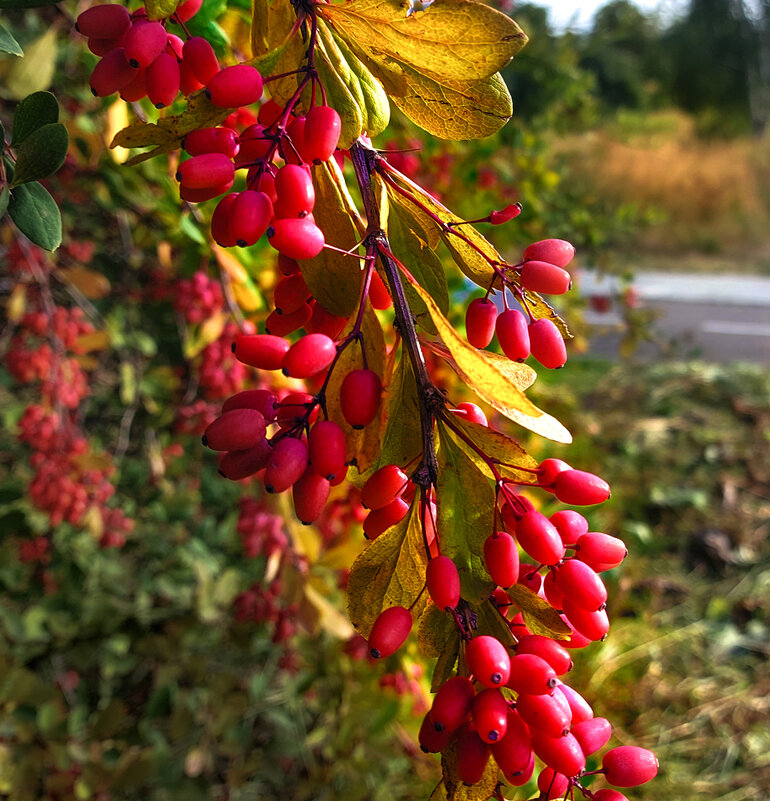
[496,445]
[539,308]
[160,9]
[457,39]
[389,572]
[408,243]
[483,375]
[167,134]
[343,89]
[402,440]
[490,621]
[454,787]
[454,109]
[539,616]
[436,627]
[272,22]
[472,253]
[465,501]
[333,278]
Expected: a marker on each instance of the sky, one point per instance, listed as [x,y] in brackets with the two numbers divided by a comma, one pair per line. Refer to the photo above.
[577,15]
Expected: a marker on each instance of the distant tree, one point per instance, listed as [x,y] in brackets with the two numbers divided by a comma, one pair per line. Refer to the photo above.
[546,77]
[717,50]
[624,52]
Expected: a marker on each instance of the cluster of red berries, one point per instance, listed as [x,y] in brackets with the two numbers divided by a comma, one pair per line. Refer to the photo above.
[220,374]
[262,531]
[140,58]
[278,200]
[198,298]
[304,453]
[261,604]
[541,270]
[63,485]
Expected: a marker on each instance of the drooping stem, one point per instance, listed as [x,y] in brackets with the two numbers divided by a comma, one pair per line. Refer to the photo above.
[364,164]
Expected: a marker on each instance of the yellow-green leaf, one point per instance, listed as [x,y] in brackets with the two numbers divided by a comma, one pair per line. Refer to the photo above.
[402,440]
[167,134]
[408,242]
[458,39]
[496,445]
[389,572]
[272,22]
[376,105]
[490,621]
[454,787]
[333,278]
[436,629]
[454,109]
[160,9]
[343,89]
[540,308]
[539,616]
[465,508]
[445,664]
[484,376]
[472,253]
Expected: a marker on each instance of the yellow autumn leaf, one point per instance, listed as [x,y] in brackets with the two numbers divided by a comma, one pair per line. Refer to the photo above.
[274,48]
[167,134]
[462,40]
[92,284]
[472,253]
[483,375]
[539,616]
[389,572]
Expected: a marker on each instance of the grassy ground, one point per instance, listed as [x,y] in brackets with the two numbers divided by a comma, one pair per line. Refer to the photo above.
[685,668]
[707,202]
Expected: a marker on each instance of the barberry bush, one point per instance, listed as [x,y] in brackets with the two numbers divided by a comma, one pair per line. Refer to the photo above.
[341,399]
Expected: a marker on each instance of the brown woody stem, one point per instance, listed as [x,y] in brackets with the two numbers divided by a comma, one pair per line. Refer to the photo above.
[364,163]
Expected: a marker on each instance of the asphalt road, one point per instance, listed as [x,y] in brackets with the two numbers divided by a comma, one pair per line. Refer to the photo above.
[715,318]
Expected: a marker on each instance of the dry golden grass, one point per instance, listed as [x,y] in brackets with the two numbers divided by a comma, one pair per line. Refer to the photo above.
[707,196]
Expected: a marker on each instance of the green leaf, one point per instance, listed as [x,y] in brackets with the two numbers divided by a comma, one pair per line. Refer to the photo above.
[5,195]
[389,572]
[41,154]
[461,40]
[409,243]
[498,385]
[36,214]
[496,445]
[8,44]
[333,278]
[160,9]
[465,507]
[343,88]
[402,440]
[490,621]
[539,616]
[445,664]
[35,111]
